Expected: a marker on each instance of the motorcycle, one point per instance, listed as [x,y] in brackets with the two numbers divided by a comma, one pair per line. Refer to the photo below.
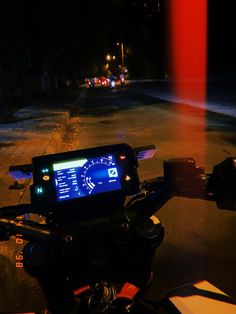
[122,79]
[111,82]
[93,251]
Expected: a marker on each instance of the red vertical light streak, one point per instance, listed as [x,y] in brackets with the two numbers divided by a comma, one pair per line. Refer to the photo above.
[188,35]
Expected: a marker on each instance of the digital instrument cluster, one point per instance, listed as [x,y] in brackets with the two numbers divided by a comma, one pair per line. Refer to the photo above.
[85,178]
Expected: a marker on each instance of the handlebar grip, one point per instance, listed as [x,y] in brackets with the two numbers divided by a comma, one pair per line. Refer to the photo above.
[16,210]
[29,230]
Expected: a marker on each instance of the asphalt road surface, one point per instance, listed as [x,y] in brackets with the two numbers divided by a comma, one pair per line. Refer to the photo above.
[200,239]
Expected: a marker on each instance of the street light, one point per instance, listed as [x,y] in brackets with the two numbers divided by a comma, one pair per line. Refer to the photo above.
[122,54]
[109,57]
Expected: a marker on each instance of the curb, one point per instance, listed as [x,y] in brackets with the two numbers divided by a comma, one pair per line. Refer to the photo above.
[55,141]
[33,134]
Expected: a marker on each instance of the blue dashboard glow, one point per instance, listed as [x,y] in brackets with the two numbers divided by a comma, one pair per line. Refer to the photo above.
[84,177]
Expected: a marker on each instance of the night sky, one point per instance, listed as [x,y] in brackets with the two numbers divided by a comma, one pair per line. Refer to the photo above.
[221,39]
[74,36]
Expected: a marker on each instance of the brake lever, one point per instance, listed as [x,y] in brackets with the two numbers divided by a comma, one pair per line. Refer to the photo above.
[30,230]
[18,210]
[143,208]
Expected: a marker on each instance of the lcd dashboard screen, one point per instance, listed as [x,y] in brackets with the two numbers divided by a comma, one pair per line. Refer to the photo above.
[86,176]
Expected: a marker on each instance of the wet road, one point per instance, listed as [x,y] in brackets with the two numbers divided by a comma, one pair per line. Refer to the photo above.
[200,239]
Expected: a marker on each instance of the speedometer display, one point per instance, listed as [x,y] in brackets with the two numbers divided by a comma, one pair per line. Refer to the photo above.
[85,183]
[84,177]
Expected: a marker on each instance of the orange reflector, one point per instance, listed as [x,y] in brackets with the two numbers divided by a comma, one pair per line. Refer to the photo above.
[128,291]
[127,178]
[78,291]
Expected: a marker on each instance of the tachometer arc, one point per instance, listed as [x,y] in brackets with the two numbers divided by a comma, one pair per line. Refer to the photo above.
[86,175]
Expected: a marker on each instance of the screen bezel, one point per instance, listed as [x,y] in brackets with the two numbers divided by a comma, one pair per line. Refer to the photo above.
[88,206]
[78,168]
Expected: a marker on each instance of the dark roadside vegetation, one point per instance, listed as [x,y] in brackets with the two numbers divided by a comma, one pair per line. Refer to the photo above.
[55,98]
[23,85]
[220,90]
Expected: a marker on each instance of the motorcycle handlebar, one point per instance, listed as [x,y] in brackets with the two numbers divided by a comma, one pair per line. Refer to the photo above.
[17,210]
[138,211]
[140,208]
[181,178]
[28,229]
